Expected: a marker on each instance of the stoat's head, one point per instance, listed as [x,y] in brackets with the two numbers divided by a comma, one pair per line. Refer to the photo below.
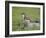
[23,14]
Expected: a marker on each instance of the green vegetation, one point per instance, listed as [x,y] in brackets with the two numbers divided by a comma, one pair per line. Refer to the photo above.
[17,24]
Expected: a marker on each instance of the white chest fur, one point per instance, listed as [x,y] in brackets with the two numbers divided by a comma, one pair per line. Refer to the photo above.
[23,16]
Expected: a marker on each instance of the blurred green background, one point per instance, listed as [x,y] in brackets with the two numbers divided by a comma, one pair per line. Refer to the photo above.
[17,19]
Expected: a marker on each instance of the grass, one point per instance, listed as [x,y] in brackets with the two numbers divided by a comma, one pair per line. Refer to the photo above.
[17,24]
